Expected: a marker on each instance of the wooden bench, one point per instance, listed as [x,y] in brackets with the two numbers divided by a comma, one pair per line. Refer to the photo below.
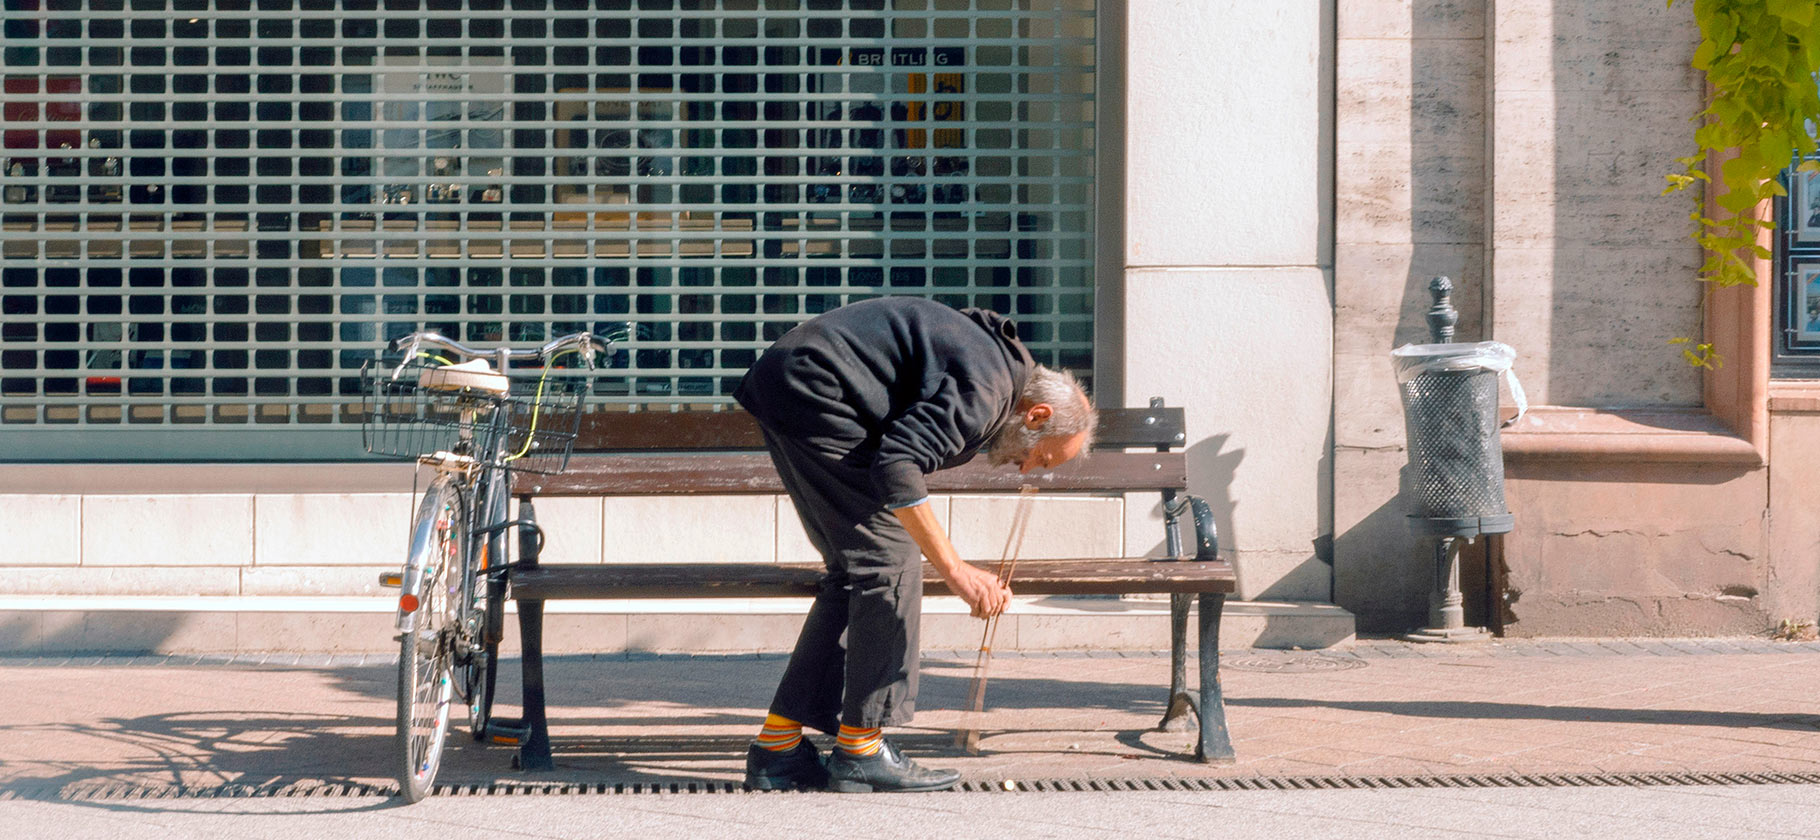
[667,454]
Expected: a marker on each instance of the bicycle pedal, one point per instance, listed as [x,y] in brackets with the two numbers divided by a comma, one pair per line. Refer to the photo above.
[509,731]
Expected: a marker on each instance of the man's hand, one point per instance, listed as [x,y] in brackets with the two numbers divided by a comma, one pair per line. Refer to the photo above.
[982,592]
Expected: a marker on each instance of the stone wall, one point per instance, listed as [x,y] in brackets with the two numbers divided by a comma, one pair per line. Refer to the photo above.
[1226,286]
[1519,148]
[1591,105]
[336,544]
[1411,191]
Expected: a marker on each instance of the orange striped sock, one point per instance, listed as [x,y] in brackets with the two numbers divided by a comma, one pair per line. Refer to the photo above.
[859,741]
[780,734]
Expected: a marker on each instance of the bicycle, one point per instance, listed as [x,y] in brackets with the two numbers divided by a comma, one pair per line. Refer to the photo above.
[475,424]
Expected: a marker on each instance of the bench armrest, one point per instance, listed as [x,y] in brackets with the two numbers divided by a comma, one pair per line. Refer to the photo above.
[1206,533]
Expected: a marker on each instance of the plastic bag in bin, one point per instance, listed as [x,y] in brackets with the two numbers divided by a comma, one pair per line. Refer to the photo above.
[1412,360]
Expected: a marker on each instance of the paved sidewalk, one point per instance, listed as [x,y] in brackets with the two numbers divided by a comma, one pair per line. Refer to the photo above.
[1379,708]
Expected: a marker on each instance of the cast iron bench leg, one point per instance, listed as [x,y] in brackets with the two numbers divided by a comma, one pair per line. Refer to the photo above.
[1179,714]
[534,754]
[1215,743]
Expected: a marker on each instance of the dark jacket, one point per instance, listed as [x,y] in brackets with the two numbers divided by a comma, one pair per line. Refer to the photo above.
[898,386]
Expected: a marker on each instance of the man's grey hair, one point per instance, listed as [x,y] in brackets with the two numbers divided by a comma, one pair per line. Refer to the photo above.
[1073,413]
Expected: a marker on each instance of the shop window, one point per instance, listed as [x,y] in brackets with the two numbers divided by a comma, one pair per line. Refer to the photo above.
[214,221]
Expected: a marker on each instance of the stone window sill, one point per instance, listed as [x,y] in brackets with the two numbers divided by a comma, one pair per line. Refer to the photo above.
[1662,435]
[1794,396]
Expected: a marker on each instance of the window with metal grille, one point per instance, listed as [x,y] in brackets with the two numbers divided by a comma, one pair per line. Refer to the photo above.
[214,212]
[1796,349]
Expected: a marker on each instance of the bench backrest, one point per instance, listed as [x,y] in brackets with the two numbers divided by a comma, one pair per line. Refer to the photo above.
[654,453]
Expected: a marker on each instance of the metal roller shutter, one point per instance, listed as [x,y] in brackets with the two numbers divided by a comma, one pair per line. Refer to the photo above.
[215,211]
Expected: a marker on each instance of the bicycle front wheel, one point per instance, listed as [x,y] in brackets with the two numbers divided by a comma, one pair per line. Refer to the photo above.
[425,651]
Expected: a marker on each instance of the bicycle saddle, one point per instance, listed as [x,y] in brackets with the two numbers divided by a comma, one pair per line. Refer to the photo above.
[474,374]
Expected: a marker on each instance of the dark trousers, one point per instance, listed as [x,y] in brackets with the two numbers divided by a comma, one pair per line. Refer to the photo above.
[855,662]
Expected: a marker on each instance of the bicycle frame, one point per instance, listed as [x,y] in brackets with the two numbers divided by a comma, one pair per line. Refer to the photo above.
[486,499]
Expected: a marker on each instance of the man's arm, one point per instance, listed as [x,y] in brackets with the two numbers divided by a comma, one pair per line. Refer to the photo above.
[981,591]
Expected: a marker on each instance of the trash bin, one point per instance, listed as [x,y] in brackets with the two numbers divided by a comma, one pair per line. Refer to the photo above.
[1450,410]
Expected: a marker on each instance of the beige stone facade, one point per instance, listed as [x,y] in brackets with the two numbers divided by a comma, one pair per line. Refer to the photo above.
[1519,148]
[1278,182]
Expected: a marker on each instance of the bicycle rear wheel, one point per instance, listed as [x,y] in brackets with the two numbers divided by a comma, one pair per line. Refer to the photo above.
[477,660]
[425,651]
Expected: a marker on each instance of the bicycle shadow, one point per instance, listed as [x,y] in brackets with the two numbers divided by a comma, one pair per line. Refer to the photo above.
[680,724]
[165,756]
[165,762]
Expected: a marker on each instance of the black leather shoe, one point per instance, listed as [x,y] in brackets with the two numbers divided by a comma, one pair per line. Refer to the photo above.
[799,768]
[885,770]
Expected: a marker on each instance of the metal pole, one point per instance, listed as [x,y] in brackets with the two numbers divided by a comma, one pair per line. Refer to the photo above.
[1446,606]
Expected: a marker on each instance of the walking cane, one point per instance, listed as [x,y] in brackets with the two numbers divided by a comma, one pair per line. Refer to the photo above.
[968,737]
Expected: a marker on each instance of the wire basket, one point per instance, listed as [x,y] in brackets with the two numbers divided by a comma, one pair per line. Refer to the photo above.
[538,418]
[1455,455]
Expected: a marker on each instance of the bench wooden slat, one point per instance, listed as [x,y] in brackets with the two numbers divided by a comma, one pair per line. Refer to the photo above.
[619,431]
[723,431]
[1094,576]
[747,473]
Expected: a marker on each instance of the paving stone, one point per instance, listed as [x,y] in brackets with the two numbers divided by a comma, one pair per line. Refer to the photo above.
[643,717]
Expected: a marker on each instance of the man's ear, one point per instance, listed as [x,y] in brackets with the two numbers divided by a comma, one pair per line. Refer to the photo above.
[1038,416]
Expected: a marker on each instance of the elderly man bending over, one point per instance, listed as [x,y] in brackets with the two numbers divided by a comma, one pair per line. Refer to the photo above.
[857,406]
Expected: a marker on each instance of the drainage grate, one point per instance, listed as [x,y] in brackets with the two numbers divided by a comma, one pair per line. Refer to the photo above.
[122,792]
[1289,663]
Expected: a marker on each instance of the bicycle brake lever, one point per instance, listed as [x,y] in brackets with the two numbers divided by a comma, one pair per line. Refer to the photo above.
[409,356]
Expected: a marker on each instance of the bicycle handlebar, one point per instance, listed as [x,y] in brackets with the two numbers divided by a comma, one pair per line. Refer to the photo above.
[500,355]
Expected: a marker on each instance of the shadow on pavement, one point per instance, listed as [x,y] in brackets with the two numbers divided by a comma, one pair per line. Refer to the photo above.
[1482,710]
[200,752]
[329,726]
[734,690]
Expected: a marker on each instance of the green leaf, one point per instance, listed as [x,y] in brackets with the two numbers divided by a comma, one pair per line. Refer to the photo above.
[1703,55]
[1721,30]
[1775,61]
[1737,172]
[1796,15]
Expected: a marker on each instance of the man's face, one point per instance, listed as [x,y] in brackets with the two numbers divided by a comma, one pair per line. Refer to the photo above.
[1052,452]
[1024,444]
